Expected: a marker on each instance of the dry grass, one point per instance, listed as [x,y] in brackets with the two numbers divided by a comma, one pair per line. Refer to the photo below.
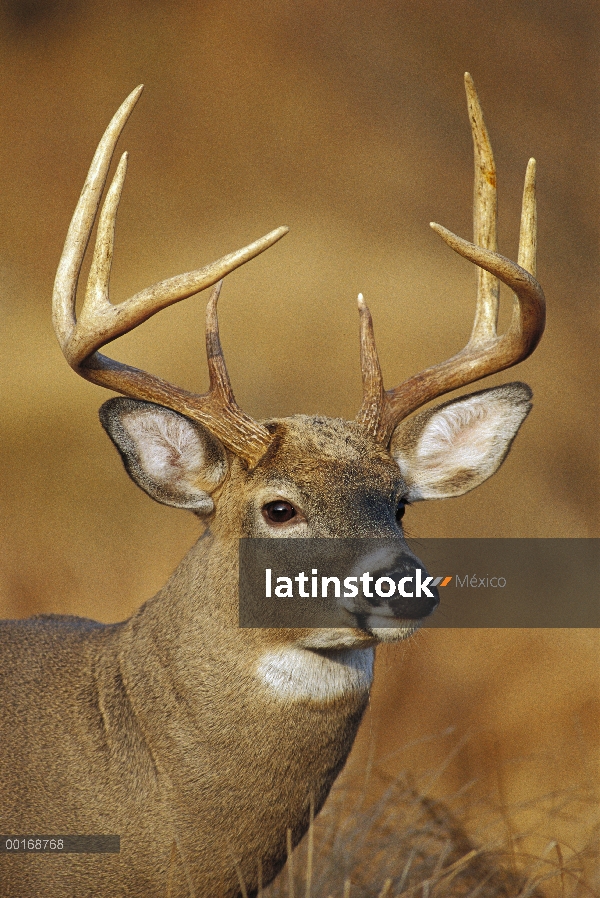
[405,844]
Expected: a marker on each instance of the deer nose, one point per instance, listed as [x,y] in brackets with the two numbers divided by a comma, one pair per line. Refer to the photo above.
[415,607]
[413,597]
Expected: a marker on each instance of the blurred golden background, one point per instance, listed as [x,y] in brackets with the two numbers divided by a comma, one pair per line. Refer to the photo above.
[347,122]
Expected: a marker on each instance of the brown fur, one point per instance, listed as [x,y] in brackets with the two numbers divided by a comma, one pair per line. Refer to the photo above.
[158,728]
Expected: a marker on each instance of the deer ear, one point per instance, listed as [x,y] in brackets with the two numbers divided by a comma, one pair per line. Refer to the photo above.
[452,448]
[175,460]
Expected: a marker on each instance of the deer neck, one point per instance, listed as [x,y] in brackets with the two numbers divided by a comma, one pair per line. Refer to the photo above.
[184,656]
[220,732]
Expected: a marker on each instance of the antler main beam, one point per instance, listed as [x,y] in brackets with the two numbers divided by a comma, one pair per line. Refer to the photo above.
[486,353]
[100,321]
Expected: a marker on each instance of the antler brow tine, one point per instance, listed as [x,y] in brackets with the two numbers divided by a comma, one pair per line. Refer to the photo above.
[486,353]
[100,321]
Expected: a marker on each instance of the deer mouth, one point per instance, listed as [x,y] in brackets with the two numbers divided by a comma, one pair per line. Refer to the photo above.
[406,613]
[383,631]
[369,632]
[386,623]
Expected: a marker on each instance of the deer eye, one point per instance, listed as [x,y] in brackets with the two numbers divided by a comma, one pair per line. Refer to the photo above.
[279,512]
[400,511]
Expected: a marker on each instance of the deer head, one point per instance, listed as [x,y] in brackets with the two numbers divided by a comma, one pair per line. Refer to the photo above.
[306,476]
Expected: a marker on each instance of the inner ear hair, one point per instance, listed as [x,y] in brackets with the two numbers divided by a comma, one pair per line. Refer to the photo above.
[452,448]
[177,461]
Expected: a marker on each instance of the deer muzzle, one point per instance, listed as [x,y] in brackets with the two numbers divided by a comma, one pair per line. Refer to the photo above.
[394,585]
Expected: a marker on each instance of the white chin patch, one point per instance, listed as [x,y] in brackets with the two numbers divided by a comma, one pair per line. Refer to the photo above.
[391,634]
[296,673]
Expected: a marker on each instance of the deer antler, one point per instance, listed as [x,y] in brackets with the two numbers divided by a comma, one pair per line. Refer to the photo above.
[486,352]
[100,321]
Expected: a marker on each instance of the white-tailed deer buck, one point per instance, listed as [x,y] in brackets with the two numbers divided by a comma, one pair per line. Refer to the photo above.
[198,742]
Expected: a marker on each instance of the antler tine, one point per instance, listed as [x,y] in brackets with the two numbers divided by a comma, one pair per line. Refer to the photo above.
[220,385]
[78,235]
[528,232]
[100,322]
[373,393]
[485,353]
[485,218]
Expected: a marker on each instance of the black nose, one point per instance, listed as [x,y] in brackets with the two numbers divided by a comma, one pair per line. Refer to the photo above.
[415,607]
[414,596]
